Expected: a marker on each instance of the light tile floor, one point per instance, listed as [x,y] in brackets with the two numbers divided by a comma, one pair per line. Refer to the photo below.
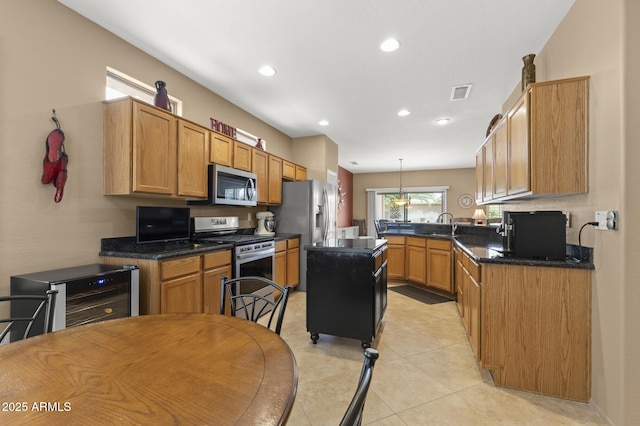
[426,375]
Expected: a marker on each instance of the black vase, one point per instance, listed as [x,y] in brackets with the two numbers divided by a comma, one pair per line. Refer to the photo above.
[161,98]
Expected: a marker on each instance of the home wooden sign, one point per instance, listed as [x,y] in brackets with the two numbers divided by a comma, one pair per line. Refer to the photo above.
[223,128]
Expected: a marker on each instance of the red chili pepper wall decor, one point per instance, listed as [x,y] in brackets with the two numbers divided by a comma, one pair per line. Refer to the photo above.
[55,160]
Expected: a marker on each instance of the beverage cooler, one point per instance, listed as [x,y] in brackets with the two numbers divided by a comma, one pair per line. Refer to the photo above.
[86,294]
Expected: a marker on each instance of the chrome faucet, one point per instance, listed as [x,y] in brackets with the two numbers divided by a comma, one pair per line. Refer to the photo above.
[454,226]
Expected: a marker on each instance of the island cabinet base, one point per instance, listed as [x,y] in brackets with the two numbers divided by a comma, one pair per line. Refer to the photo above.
[346,294]
[536,329]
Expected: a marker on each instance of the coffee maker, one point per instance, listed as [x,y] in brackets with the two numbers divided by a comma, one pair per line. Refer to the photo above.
[534,234]
[266,224]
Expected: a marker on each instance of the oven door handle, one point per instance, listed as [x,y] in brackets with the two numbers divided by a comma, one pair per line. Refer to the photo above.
[254,255]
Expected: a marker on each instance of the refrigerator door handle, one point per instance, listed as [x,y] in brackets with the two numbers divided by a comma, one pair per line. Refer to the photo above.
[325,213]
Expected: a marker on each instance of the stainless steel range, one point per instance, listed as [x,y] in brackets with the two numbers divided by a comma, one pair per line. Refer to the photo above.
[253,255]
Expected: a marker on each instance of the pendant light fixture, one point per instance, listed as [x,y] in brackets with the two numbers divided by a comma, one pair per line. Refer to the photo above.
[401,199]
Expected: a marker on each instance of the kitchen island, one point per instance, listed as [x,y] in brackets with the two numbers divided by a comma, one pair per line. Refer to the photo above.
[346,288]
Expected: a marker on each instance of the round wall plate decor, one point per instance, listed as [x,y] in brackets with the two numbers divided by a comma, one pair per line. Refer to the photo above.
[466,201]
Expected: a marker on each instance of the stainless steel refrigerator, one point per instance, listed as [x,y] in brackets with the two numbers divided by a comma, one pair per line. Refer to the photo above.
[308,208]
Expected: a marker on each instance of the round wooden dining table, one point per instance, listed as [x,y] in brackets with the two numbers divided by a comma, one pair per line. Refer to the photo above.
[174,369]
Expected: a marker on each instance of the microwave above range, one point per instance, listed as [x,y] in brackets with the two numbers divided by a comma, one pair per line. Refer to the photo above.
[228,186]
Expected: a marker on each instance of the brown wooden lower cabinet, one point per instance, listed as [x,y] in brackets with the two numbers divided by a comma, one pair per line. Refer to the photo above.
[416,257]
[280,273]
[293,262]
[396,257]
[440,265]
[215,266]
[178,285]
[467,282]
[536,329]
[428,261]
[287,262]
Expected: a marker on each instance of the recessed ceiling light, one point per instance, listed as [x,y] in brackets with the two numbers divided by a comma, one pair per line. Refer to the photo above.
[404,112]
[442,121]
[267,71]
[323,122]
[389,45]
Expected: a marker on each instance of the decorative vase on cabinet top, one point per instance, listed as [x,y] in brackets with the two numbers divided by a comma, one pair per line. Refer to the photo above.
[161,98]
[528,71]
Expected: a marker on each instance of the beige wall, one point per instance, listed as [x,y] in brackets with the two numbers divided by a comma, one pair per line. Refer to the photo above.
[591,41]
[317,153]
[54,58]
[631,202]
[459,181]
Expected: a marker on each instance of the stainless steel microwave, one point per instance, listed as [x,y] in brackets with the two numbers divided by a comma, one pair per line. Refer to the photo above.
[228,186]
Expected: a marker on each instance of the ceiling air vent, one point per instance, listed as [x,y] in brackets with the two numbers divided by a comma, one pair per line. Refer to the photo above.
[460,92]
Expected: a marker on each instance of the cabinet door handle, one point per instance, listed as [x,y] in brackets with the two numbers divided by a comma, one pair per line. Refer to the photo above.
[380,269]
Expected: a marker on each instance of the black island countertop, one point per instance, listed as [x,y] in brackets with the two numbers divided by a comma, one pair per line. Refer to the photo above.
[357,245]
[484,245]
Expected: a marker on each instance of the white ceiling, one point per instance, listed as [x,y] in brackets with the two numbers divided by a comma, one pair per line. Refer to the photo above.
[329,65]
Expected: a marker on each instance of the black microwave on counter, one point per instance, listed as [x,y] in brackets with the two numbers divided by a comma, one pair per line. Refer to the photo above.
[534,234]
[229,186]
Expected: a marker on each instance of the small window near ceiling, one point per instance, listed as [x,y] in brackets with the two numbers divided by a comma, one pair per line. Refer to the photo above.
[120,85]
[421,206]
[494,211]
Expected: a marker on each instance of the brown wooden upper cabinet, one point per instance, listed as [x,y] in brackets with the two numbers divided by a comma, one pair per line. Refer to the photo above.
[268,169]
[242,154]
[540,147]
[260,160]
[275,180]
[301,172]
[148,151]
[221,149]
[288,170]
[193,157]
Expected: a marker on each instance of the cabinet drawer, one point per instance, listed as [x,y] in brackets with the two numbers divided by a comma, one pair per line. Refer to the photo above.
[474,270]
[178,267]
[471,266]
[416,242]
[439,244]
[293,243]
[281,245]
[394,240]
[379,258]
[216,259]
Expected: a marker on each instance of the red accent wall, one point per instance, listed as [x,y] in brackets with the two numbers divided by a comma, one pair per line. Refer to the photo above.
[345,209]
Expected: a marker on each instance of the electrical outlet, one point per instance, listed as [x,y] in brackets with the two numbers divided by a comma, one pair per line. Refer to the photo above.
[249,216]
[567,215]
[607,220]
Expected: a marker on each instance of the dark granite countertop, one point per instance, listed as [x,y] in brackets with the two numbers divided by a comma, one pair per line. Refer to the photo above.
[358,245]
[127,247]
[285,236]
[485,246]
